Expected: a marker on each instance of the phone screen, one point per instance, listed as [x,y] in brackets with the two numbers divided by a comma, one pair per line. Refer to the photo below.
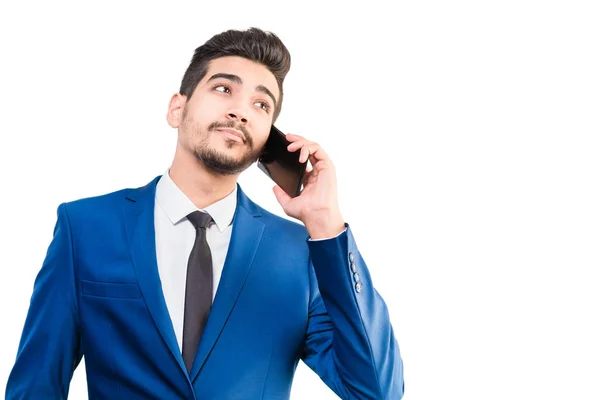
[281,165]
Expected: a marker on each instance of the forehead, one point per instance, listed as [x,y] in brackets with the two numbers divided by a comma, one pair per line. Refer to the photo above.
[251,73]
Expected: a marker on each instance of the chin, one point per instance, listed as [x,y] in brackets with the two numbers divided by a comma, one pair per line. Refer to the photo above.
[221,143]
[225,161]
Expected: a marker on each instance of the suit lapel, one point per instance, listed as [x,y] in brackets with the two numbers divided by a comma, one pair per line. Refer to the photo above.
[139,222]
[245,239]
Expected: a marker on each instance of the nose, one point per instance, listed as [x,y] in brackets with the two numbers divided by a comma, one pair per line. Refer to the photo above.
[238,115]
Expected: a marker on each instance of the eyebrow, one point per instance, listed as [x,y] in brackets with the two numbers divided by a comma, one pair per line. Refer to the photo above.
[237,80]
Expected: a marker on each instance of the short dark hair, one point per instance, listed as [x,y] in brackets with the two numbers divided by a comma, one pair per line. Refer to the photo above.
[253,44]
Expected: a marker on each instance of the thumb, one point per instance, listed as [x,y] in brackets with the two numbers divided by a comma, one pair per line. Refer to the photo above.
[281,195]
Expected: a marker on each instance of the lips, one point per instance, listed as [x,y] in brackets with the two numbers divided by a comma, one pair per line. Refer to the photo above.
[232,134]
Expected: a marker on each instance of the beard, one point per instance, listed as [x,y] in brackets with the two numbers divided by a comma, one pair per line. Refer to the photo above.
[218,162]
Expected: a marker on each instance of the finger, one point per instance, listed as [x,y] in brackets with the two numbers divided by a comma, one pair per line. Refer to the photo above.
[307,150]
[292,138]
[307,176]
[320,166]
[296,145]
[304,183]
[318,154]
[314,152]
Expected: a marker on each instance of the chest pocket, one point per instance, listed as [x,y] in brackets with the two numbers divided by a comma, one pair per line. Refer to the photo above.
[111,290]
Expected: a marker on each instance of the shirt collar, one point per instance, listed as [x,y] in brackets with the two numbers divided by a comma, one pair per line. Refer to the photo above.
[177,205]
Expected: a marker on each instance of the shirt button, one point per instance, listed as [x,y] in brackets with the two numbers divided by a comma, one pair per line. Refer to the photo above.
[351,258]
[353,267]
[356,278]
[358,287]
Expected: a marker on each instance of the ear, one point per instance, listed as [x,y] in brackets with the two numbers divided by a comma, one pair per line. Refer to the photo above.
[175,112]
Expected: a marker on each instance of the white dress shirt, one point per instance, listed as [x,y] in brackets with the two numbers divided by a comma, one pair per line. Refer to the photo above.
[175,236]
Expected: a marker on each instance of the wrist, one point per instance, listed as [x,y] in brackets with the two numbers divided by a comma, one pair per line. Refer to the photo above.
[325,226]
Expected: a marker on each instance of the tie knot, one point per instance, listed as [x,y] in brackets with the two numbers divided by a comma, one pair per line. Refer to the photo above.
[200,219]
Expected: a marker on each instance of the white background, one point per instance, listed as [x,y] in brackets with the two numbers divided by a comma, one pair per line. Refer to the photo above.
[465,134]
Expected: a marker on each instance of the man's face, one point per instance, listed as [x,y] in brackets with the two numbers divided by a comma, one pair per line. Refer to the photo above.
[226,121]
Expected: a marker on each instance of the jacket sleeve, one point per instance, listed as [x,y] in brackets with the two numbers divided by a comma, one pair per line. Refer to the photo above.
[350,342]
[49,349]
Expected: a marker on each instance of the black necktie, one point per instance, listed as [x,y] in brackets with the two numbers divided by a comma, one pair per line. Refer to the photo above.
[198,288]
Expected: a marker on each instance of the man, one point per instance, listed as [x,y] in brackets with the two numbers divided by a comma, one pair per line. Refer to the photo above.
[186,289]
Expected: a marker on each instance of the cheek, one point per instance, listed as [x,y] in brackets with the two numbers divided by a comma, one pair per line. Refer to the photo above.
[262,133]
[191,129]
[204,111]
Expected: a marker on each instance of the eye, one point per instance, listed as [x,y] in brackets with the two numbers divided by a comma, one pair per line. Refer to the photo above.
[264,105]
[222,89]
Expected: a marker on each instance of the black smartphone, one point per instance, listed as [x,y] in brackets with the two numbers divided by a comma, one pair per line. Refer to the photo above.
[282,166]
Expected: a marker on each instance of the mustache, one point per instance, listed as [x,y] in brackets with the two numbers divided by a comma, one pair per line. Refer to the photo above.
[231,125]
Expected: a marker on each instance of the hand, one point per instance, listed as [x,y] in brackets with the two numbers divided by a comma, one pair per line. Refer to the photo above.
[317,205]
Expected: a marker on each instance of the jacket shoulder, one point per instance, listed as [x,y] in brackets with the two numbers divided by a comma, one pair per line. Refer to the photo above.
[104,203]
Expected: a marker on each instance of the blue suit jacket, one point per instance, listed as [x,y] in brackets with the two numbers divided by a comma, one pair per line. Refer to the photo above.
[281,298]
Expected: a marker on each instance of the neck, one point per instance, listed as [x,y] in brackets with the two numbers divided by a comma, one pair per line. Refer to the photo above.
[201,186]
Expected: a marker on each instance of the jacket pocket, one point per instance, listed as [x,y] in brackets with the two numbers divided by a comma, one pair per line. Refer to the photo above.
[111,289]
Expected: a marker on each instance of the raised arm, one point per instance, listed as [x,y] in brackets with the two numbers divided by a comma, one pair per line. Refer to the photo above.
[350,342]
